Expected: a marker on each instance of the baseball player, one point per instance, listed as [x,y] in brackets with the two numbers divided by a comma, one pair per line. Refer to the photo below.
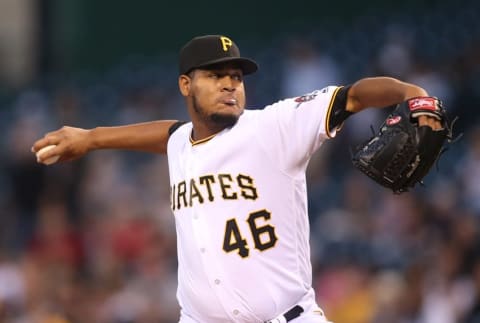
[237,178]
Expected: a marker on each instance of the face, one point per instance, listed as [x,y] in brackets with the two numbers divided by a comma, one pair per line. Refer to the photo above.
[215,96]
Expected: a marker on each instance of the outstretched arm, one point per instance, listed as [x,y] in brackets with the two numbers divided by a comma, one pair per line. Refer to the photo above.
[72,143]
[382,92]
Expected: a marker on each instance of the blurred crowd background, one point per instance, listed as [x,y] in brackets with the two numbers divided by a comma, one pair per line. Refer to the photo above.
[94,240]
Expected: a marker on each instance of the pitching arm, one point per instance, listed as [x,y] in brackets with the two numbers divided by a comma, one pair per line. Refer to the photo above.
[72,143]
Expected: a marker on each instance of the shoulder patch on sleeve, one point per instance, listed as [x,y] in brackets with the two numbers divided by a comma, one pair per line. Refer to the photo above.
[306,97]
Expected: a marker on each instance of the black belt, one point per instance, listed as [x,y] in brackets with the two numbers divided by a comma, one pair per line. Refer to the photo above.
[292,313]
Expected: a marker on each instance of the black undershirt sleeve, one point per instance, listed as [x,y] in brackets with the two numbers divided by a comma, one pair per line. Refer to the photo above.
[175,126]
[339,114]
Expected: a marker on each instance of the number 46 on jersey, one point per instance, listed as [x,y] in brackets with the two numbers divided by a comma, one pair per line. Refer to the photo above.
[263,234]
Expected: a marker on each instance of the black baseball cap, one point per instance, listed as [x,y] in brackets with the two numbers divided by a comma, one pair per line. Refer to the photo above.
[204,51]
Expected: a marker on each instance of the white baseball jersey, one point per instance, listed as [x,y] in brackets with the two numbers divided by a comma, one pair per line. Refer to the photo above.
[240,205]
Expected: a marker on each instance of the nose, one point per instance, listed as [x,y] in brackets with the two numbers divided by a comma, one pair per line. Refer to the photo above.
[228,83]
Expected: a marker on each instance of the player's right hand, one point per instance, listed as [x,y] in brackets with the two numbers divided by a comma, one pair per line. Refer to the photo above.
[71,143]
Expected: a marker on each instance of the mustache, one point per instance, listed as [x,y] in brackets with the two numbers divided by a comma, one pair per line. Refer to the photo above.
[228,99]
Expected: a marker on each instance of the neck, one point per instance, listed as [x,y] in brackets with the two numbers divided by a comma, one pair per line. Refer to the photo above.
[202,131]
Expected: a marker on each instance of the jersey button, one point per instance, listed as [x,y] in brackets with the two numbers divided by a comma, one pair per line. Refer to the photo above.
[217,281]
[202,250]
[235,312]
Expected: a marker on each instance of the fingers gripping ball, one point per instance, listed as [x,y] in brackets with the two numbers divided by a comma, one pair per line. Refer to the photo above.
[50,160]
[402,153]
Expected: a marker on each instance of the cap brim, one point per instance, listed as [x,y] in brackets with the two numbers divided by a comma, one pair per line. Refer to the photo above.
[247,65]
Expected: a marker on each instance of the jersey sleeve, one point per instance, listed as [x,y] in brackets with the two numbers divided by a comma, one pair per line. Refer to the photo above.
[291,130]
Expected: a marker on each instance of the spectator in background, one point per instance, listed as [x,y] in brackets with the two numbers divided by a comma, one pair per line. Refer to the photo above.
[307,68]
[395,57]
[26,180]
[469,172]
[434,81]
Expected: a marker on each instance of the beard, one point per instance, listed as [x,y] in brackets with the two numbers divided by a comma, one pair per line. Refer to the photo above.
[218,119]
[224,120]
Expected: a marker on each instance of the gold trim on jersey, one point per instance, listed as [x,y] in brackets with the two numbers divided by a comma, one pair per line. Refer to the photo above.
[329,111]
[201,141]
[319,311]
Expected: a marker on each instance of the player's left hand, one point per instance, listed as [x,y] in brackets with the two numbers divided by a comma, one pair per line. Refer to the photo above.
[428,110]
[433,123]
[407,145]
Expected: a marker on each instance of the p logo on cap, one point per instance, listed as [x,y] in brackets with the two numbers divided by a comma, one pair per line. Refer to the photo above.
[209,50]
[226,43]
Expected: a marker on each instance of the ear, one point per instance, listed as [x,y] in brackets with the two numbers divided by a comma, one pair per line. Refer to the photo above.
[184,84]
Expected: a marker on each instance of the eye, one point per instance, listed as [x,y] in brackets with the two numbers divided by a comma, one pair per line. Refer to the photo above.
[237,77]
[213,75]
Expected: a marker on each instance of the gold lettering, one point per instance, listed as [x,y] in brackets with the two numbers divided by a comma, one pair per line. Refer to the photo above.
[182,190]
[248,189]
[231,188]
[226,43]
[224,186]
[194,192]
[208,180]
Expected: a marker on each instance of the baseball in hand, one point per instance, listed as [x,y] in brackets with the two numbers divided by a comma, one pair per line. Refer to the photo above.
[50,160]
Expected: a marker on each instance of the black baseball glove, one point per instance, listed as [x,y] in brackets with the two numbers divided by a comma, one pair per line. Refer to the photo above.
[402,152]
